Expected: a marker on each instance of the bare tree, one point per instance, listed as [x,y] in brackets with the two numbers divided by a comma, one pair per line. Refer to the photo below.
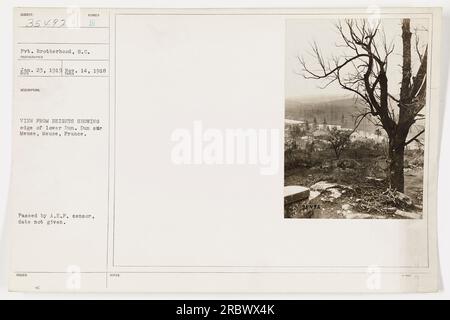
[364,73]
[338,140]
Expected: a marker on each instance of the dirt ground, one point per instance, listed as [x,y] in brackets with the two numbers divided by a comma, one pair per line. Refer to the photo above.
[366,196]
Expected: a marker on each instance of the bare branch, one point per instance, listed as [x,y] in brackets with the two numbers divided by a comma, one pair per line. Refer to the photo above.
[414,138]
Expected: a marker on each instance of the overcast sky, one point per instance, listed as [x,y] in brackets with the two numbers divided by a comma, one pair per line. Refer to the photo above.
[301,33]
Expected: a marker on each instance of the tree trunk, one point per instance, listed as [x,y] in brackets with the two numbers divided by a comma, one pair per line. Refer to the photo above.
[396,164]
[405,89]
[337,154]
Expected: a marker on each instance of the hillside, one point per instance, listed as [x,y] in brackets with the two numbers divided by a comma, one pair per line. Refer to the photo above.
[338,111]
[334,110]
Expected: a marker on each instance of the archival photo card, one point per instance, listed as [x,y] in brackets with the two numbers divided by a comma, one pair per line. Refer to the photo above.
[224,150]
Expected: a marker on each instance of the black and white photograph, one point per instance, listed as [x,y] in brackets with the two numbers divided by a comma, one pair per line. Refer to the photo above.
[355,118]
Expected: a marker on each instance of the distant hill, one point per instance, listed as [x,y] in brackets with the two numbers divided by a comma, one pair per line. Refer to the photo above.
[337,111]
